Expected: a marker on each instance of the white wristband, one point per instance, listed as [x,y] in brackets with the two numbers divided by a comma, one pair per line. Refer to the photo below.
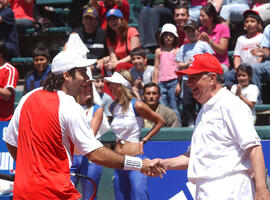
[132,163]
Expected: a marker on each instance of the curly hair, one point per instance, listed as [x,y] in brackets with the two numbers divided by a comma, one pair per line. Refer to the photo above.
[126,94]
[54,82]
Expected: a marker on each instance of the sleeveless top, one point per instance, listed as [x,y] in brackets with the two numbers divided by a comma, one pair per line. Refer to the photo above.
[126,125]
[167,66]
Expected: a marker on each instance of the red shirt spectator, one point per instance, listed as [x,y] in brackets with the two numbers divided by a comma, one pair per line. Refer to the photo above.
[8,80]
[22,9]
[103,8]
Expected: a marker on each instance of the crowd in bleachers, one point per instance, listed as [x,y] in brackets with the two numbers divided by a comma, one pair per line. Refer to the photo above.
[124,35]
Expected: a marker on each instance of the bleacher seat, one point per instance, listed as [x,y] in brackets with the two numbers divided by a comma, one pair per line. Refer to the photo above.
[62,9]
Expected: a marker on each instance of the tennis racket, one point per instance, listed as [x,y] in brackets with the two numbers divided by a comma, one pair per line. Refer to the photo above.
[10,177]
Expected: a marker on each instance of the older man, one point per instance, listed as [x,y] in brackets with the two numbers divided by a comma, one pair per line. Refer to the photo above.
[46,126]
[225,147]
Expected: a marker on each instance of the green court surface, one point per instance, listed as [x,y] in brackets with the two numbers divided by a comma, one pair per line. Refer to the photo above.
[105,189]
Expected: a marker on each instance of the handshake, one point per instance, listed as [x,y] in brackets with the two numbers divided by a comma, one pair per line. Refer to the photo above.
[154,168]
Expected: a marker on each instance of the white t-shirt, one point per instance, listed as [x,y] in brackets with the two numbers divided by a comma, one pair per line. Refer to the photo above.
[251,92]
[45,127]
[243,47]
[224,130]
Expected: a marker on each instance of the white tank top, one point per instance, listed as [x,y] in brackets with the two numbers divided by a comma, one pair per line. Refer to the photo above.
[126,126]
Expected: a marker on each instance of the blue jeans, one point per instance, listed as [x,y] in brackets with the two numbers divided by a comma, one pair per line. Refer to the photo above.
[194,13]
[233,11]
[148,24]
[23,24]
[261,73]
[82,165]
[130,185]
[167,96]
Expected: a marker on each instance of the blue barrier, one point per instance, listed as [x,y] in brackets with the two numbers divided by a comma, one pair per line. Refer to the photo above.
[168,143]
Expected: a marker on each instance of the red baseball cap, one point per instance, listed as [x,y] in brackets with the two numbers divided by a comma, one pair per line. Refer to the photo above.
[202,63]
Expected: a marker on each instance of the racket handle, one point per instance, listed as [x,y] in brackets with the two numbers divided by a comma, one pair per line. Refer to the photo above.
[7,177]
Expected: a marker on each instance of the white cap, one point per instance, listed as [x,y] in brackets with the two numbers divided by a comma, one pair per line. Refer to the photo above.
[67,60]
[170,28]
[118,78]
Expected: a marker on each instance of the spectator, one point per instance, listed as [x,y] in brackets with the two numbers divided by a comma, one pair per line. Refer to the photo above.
[140,72]
[165,67]
[246,91]
[24,14]
[261,71]
[151,95]
[245,43]
[104,6]
[154,14]
[8,31]
[181,17]
[81,164]
[121,39]
[128,114]
[92,35]
[232,10]
[35,78]
[8,80]
[217,35]
[184,57]
[106,99]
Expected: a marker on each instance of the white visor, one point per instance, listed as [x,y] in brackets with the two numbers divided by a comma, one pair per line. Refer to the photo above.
[118,78]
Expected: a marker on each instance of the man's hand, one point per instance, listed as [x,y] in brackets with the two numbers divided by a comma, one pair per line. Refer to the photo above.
[153,168]
[262,194]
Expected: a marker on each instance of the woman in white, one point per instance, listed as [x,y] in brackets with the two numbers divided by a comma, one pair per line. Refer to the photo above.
[128,114]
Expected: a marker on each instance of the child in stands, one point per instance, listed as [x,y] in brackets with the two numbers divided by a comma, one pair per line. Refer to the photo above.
[140,72]
[244,89]
[165,67]
[35,78]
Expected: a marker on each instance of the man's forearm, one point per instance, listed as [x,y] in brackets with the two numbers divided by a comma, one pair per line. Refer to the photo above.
[106,157]
[258,166]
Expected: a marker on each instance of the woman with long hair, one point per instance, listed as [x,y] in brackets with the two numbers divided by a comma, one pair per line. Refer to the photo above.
[216,34]
[121,39]
[128,114]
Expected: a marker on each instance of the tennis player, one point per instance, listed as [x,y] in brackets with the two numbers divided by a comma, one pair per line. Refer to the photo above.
[46,126]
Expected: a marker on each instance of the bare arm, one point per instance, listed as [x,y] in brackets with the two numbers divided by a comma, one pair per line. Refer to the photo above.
[106,157]
[12,150]
[236,61]
[145,112]
[220,48]
[176,163]
[258,166]
[250,104]
[28,1]
[156,64]
[94,3]
[6,93]
[134,43]
[97,120]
